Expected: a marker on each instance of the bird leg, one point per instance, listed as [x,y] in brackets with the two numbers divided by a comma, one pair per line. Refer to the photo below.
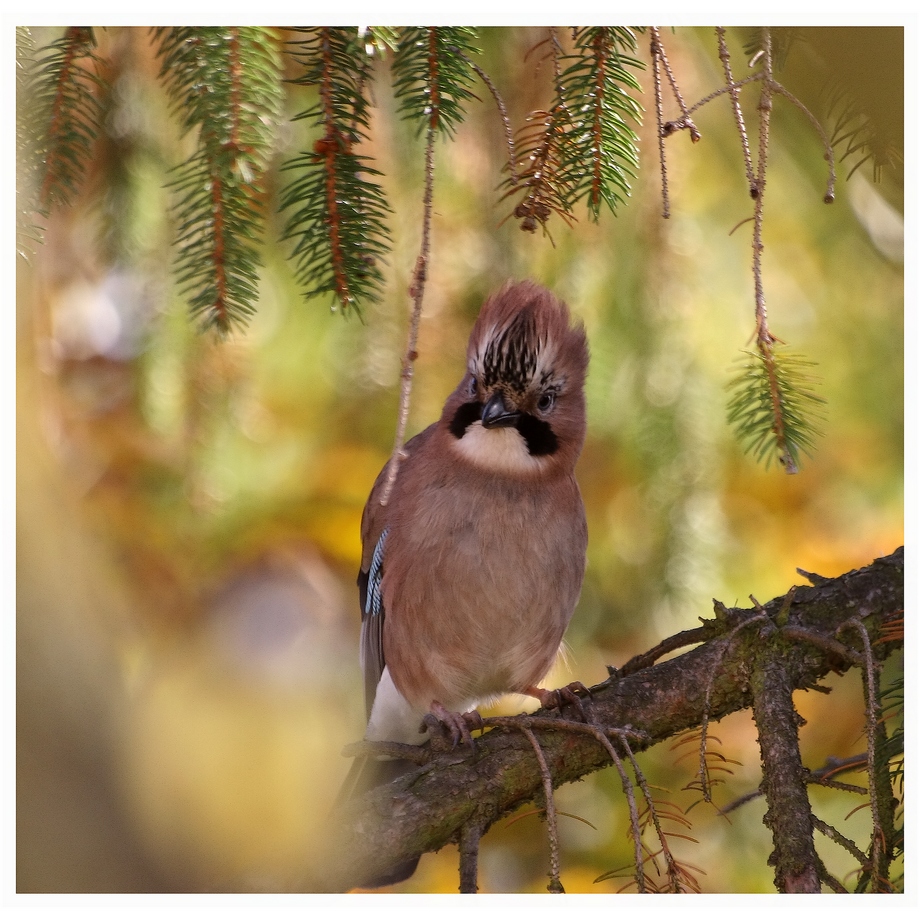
[556,699]
[459,725]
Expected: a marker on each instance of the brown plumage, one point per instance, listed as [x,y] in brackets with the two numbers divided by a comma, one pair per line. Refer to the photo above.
[472,570]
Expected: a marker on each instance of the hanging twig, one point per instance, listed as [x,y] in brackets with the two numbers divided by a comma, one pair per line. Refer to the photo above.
[416,292]
[659,123]
[685,121]
[675,873]
[736,106]
[828,149]
[470,834]
[555,885]
[635,826]
[703,773]
[879,859]
[502,111]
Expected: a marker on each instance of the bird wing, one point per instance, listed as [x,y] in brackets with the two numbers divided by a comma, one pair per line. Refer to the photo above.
[374,531]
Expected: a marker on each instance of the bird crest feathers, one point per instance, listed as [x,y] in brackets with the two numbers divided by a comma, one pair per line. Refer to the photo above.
[523,335]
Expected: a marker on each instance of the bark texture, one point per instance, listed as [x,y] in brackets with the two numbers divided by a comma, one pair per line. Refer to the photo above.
[744,658]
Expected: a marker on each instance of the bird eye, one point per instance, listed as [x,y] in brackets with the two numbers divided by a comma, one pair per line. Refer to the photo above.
[545,402]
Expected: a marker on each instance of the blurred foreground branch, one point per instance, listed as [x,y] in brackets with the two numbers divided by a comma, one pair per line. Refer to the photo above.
[802,636]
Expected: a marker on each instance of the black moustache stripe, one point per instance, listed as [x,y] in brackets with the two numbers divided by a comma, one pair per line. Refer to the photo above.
[464,417]
[539,437]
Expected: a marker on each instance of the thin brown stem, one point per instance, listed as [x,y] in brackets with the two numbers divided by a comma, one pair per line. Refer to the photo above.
[674,874]
[470,834]
[659,122]
[879,857]
[555,885]
[634,824]
[502,111]
[732,88]
[684,121]
[416,292]
[828,149]
[703,773]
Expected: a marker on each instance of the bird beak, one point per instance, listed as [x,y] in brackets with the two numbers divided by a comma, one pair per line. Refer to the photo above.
[495,414]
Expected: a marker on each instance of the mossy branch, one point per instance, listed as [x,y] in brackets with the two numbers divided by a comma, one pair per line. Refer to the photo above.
[428,807]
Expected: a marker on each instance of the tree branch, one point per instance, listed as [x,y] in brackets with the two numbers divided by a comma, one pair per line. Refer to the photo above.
[428,808]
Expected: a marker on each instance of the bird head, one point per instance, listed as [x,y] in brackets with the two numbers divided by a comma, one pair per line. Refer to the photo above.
[520,407]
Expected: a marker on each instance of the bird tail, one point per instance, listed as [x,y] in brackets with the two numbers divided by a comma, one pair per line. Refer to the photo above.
[368,773]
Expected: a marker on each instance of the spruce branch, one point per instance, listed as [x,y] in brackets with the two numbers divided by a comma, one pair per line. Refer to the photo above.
[584,146]
[67,109]
[604,153]
[226,84]
[772,405]
[774,411]
[337,212]
[432,75]
[28,132]
[540,173]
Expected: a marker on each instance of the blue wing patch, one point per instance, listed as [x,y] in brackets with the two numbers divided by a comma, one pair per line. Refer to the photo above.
[374,601]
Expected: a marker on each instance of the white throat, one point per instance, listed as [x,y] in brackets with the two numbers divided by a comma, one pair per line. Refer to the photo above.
[497,450]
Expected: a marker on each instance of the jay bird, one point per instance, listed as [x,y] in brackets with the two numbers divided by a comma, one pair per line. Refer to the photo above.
[471,571]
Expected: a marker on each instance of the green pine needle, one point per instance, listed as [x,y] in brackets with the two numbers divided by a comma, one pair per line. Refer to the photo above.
[432,76]
[226,84]
[67,113]
[336,211]
[604,150]
[774,411]
[28,164]
[584,147]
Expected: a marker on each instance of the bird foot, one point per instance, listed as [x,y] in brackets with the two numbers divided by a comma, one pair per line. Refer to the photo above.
[556,699]
[441,722]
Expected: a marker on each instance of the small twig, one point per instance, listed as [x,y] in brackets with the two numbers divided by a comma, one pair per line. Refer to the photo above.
[631,800]
[674,874]
[828,149]
[555,885]
[672,643]
[470,834]
[725,58]
[659,121]
[873,716]
[838,838]
[820,777]
[685,121]
[825,642]
[506,122]
[602,734]
[416,292]
[722,90]
[705,784]
[741,800]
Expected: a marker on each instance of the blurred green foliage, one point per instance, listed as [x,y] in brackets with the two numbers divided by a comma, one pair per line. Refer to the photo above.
[213,490]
